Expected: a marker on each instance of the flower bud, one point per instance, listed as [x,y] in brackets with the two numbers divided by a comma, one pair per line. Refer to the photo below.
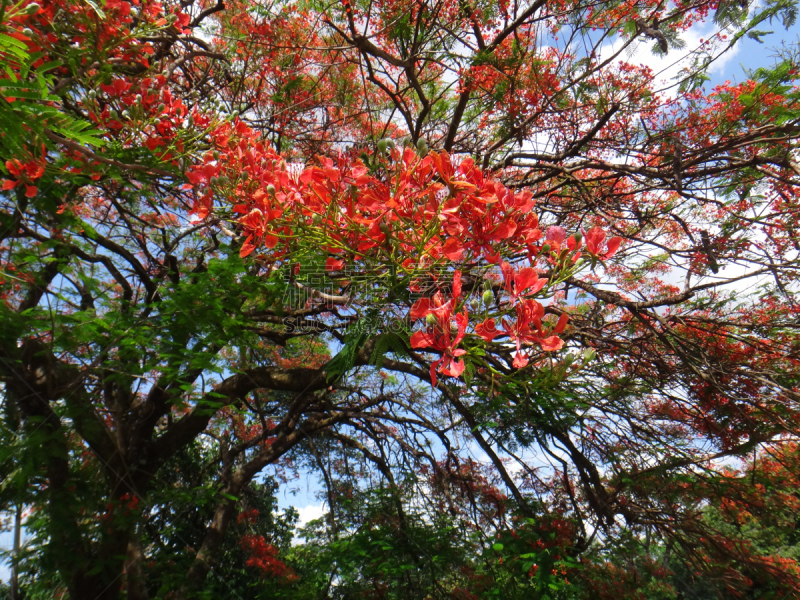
[32,8]
[545,248]
[430,320]
[271,190]
[578,237]
[382,145]
[384,227]
[488,297]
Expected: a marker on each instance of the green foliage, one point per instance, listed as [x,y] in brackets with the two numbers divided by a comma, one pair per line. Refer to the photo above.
[389,342]
[183,506]
[26,102]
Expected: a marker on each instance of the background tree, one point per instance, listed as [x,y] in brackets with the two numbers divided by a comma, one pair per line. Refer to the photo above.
[368,240]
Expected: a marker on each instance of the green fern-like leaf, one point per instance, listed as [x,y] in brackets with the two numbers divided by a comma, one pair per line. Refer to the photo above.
[385,343]
[345,359]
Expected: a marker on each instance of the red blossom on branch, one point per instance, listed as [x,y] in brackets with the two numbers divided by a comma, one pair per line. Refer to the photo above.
[25,174]
[264,557]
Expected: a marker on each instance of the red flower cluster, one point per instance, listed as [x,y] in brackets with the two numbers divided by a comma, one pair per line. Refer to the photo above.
[427,211]
[424,212]
[264,557]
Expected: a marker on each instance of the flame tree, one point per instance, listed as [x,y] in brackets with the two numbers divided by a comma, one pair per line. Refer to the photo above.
[373,240]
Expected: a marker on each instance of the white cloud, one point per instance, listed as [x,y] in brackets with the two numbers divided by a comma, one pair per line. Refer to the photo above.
[310,512]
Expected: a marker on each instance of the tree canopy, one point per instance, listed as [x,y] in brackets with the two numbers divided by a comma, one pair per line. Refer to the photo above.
[524,308]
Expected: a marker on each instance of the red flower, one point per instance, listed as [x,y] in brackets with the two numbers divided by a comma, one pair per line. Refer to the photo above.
[25,173]
[555,236]
[487,330]
[530,312]
[440,335]
[594,241]
[334,264]
[526,280]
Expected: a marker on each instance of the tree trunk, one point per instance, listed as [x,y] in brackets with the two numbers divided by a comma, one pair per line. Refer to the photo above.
[14,583]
